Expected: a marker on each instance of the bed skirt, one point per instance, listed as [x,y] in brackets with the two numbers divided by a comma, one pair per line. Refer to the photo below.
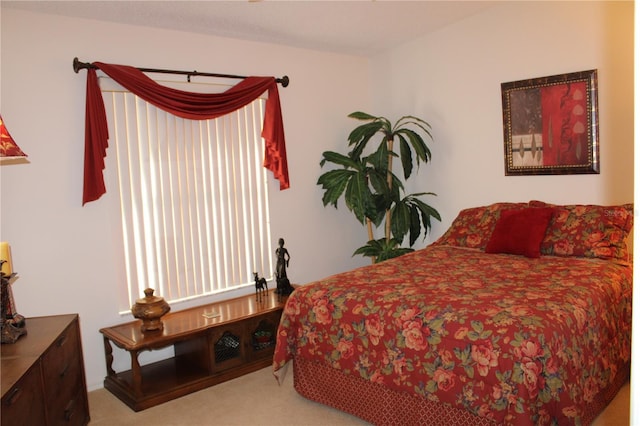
[372,402]
[380,405]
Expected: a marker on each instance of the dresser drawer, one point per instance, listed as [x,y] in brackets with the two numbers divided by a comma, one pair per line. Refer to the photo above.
[61,382]
[23,404]
[64,348]
[71,410]
[62,372]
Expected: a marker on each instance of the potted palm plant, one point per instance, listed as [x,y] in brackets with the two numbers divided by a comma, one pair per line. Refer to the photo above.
[372,191]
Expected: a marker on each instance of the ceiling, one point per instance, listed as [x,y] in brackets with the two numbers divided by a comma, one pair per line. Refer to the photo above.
[351,27]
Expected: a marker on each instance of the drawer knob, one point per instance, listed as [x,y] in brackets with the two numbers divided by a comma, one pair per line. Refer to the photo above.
[64,371]
[14,395]
[69,410]
[62,340]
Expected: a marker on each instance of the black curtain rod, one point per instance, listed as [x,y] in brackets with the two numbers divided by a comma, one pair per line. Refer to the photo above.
[77,66]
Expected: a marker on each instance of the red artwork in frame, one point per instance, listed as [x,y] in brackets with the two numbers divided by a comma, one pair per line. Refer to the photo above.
[551,125]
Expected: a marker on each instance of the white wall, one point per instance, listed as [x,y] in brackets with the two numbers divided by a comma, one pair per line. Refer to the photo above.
[69,256]
[452,79]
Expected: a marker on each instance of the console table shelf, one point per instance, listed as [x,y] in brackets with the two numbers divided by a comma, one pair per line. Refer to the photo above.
[212,343]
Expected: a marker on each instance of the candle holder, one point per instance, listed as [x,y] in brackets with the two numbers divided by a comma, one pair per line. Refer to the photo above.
[12,325]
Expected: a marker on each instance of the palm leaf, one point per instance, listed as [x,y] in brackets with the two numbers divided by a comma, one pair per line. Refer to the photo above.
[359,115]
[417,143]
[400,219]
[364,132]
[339,159]
[380,158]
[412,120]
[426,213]
[378,181]
[405,157]
[334,183]
[382,249]
[413,216]
[359,199]
[415,227]
[360,140]
[382,203]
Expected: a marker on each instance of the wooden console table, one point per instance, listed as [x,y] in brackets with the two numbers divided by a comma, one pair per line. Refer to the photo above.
[212,343]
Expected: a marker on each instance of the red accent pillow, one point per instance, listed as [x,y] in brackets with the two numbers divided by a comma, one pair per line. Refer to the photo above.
[520,231]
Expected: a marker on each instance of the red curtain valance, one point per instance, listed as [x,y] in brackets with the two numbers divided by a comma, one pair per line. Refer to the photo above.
[195,106]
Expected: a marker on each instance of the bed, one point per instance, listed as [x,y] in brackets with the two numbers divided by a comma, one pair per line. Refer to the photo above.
[520,314]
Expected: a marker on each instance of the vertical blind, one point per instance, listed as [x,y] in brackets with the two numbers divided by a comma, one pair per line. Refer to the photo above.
[193,196]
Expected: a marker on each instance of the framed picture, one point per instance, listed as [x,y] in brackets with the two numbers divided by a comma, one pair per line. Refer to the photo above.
[551,125]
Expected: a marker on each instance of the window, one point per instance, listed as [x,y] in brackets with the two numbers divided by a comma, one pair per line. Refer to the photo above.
[193,196]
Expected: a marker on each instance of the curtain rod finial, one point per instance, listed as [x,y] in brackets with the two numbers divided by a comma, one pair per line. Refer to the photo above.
[284,81]
[77,65]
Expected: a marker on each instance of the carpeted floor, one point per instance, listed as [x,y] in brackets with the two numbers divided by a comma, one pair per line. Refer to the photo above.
[256,399]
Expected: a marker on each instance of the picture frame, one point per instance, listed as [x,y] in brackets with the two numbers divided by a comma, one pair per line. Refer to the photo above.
[551,125]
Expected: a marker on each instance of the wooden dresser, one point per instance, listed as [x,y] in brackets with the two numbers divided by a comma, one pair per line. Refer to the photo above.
[43,380]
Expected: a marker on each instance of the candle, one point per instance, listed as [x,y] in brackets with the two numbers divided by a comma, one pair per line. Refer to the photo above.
[5,254]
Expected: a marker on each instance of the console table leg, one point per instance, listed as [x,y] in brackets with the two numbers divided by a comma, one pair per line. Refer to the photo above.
[108,355]
[136,375]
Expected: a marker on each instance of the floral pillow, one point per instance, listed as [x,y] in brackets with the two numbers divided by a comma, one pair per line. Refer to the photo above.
[587,231]
[473,227]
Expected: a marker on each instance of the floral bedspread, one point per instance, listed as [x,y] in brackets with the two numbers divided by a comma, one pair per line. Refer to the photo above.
[518,340]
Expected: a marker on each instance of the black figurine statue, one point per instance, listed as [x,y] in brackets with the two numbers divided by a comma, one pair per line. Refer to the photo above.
[261,285]
[283,286]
